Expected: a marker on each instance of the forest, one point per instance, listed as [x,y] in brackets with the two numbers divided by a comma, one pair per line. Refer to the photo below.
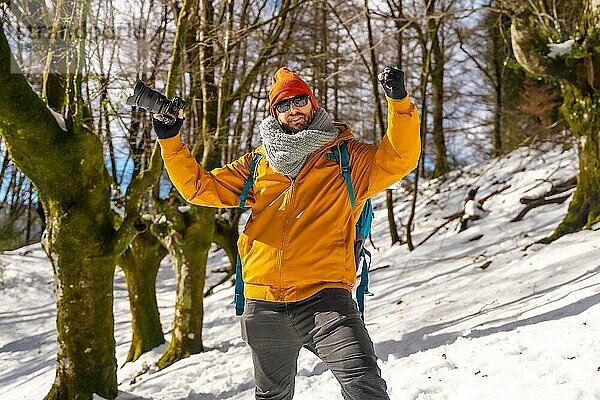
[82,174]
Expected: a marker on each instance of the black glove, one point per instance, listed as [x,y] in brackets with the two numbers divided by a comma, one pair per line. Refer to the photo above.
[164,131]
[392,80]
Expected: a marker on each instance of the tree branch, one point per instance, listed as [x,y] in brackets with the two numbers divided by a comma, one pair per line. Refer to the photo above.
[529,47]
[32,134]
[531,203]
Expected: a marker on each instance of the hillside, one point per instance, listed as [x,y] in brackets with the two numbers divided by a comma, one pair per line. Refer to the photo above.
[478,314]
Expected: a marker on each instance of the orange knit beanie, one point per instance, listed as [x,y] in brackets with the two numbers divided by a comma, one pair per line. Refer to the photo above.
[286,84]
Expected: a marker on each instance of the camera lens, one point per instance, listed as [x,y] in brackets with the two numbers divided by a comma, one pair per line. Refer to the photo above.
[148,99]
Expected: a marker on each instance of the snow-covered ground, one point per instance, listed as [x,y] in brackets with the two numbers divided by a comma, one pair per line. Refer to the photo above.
[477,314]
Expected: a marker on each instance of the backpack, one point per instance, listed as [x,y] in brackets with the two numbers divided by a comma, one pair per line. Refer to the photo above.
[363,228]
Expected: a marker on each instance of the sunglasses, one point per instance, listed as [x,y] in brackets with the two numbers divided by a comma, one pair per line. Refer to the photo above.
[284,106]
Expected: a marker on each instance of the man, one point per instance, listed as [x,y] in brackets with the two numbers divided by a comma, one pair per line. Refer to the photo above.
[297,246]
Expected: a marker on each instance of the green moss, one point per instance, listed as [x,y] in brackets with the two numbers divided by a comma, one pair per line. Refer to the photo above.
[140,264]
[593,218]
[583,115]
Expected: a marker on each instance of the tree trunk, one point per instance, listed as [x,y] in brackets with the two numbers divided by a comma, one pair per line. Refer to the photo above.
[583,116]
[579,77]
[379,119]
[437,88]
[81,238]
[226,236]
[494,27]
[140,263]
[413,207]
[189,252]
[425,71]
[86,362]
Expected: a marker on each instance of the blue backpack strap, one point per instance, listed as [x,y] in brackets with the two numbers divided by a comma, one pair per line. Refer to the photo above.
[342,157]
[238,297]
[363,288]
[250,180]
[345,158]
[363,226]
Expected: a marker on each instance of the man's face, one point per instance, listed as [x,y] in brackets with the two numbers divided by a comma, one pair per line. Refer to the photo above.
[298,116]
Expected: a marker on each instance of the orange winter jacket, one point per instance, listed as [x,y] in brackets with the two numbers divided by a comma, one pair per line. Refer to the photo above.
[300,235]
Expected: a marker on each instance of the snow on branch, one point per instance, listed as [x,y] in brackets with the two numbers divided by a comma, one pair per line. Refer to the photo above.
[560,49]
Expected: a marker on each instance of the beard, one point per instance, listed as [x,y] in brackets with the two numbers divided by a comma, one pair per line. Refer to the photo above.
[298,122]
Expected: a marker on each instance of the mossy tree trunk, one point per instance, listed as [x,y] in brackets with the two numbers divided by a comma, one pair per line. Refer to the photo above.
[189,237]
[226,236]
[83,237]
[86,361]
[583,115]
[578,72]
[140,263]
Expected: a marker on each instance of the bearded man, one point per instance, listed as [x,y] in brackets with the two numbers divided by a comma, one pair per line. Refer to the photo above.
[297,248]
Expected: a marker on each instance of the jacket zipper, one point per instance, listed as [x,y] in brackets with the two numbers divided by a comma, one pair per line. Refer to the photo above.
[284,235]
[309,164]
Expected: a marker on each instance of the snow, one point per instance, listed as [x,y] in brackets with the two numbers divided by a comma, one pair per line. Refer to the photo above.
[472,209]
[445,328]
[184,209]
[60,120]
[560,49]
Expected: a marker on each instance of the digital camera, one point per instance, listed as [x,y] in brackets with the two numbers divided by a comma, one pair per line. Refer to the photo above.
[155,102]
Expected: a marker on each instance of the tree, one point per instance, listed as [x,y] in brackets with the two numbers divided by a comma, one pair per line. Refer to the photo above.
[518,107]
[63,158]
[434,23]
[560,40]
[140,263]
[395,237]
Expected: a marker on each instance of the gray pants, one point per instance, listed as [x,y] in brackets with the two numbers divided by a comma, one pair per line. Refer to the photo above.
[329,325]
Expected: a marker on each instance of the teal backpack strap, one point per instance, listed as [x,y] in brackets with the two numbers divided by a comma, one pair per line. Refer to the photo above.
[363,226]
[238,298]
[345,163]
[363,288]
[342,157]
[250,179]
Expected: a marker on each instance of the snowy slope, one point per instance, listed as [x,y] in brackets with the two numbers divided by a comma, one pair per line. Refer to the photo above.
[524,327]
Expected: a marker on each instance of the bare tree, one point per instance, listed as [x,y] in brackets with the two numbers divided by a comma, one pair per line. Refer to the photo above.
[434,21]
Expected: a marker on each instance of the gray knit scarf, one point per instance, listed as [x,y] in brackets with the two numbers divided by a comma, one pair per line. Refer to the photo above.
[287,152]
